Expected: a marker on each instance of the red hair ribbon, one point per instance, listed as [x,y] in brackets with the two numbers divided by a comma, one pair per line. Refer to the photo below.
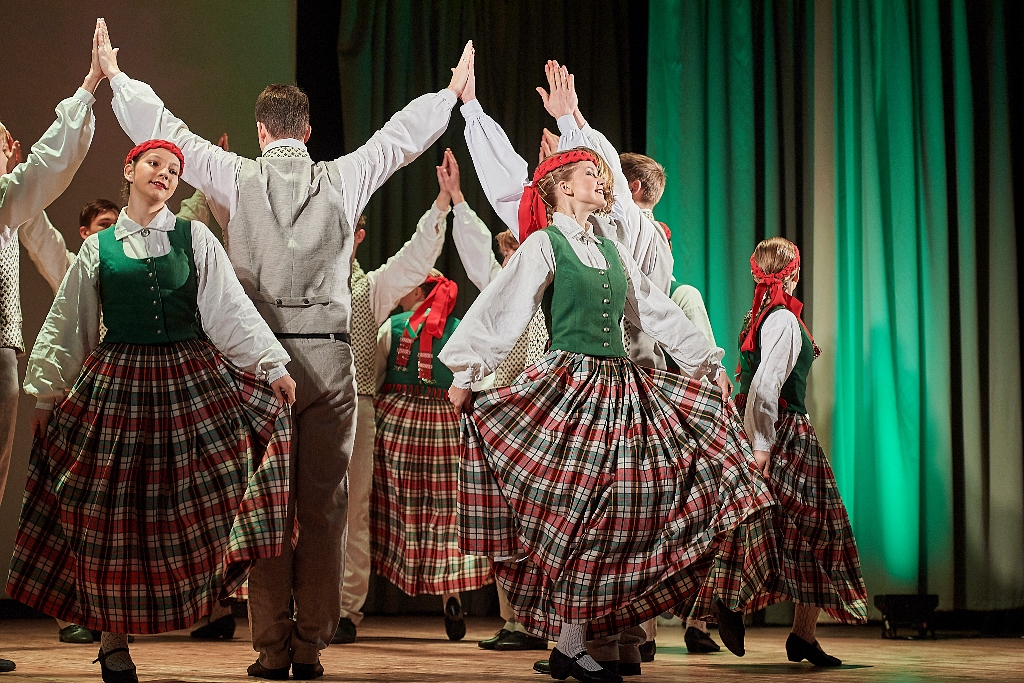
[139,149]
[433,315]
[771,285]
[533,212]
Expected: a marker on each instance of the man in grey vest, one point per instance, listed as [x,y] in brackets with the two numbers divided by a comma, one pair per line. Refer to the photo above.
[288,228]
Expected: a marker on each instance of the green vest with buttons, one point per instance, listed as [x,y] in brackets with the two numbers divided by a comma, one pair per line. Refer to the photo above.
[583,307]
[410,374]
[794,389]
[152,300]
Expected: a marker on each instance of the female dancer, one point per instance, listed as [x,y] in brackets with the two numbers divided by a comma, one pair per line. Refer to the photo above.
[414,538]
[162,474]
[820,565]
[607,493]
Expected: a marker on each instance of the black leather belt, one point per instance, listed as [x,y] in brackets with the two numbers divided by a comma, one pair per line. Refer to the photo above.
[333,336]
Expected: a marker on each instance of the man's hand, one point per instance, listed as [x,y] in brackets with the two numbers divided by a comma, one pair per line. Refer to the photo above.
[16,152]
[40,420]
[443,198]
[223,142]
[460,398]
[561,99]
[548,144]
[106,55]
[284,389]
[462,71]
[449,177]
[95,75]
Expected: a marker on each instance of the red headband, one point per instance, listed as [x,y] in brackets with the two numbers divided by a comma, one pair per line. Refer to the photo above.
[771,285]
[433,314]
[154,144]
[533,212]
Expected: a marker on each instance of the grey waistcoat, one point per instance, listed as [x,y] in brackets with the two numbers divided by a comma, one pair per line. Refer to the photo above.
[291,245]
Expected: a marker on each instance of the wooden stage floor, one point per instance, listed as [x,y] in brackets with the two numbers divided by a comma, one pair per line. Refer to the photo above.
[413,649]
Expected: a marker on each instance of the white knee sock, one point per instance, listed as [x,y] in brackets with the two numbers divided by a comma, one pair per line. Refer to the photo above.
[122,661]
[572,640]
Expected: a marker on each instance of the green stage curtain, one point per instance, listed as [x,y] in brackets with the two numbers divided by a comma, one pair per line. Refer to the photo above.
[927,423]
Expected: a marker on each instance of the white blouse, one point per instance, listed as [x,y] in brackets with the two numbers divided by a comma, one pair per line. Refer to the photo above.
[781,342]
[71,330]
[473,241]
[504,175]
[51,164]
[502,311]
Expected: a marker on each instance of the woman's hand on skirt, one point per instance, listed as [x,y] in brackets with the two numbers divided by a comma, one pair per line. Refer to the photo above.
[724,384]
[284,389]
[762,458]
[40,419]
[459,398]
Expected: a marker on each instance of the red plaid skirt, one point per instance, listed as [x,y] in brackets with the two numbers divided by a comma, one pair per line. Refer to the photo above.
[818,553]
[161,478]
[623,490]
[413,536]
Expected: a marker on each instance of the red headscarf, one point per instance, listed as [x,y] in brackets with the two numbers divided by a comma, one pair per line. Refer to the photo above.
[533,212]
[772,285]
[156,144]
[433,314]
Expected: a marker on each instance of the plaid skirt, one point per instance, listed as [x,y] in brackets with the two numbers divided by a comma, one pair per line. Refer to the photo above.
[161,478]
[619,491]
[820,566]
[413,535]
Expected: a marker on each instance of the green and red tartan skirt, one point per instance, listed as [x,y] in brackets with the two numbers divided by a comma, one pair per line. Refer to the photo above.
[413,530]
[621,492]
[817,550]
[161,478]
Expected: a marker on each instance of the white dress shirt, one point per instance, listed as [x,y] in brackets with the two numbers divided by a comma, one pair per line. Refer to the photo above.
[503,310]
[51,164]
[209,168]
[473,241]
[781,342]
[71,330]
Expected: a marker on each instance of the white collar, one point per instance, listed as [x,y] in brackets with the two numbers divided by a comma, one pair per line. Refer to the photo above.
[285,142]
[163,221]
[573,230]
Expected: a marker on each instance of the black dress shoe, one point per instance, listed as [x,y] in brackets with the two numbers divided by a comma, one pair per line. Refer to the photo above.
[698,642]
[110,675]
[454,624]
[730,628]
[798,649]
[627,668]
[6,665]
[489,643]
[78,635]
[222,629]
[515,641]
[307,672]
[562,666]
[542,666]
[257,670]
[346,632]
[647,651]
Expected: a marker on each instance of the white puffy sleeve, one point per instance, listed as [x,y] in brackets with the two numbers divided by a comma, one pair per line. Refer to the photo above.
[502,172]
[781,343]
[46,247]
[473,242]
[229,317]
[70,332]
[501,313]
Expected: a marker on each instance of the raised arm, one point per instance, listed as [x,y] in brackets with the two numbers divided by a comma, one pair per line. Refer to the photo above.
[472,238]
[46,247]
[401,140]
[143,116]
[501,313]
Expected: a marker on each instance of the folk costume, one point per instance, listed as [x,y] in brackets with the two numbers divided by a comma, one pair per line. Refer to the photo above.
[820,566]
[416,455]
[288,226]
[163,473]
[574,475]
[374,296]
[26,190]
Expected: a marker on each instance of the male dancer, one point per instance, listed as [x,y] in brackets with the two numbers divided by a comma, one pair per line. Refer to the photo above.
[288,227]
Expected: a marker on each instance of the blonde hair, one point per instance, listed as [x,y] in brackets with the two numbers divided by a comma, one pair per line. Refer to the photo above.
[649,172]
[506,241]
[771,256]
[546,186]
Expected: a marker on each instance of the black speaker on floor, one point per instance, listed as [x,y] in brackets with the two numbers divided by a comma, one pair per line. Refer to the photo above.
[914,611]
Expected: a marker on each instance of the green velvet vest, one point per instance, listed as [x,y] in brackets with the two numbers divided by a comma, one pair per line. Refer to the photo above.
[150,300]
[583,307]
[794,389]
[410,374]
